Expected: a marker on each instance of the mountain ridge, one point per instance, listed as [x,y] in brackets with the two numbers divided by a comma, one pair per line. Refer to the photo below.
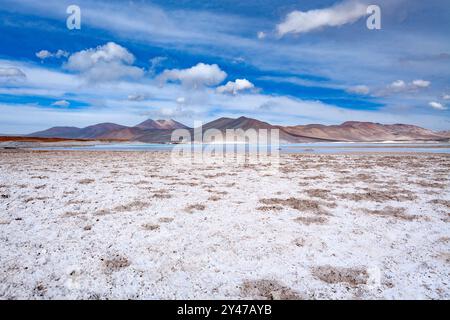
[159,131]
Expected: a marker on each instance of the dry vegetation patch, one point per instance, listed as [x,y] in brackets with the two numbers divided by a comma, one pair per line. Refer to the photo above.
[165,220]
[319,193]
[380,196]
[391,212]
[132,206]
[427,184]
[116,263]
[86,181]
[151,226]
[311,220]
[269,208]
[269,290]
[297,204]
[351,276]
[195,207]
[445,203]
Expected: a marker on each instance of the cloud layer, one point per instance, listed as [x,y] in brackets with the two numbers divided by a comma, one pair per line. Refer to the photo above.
[336,15]
[437,105]
[233,87]
[45,54]
[104,63]
[197,76]
[11,74]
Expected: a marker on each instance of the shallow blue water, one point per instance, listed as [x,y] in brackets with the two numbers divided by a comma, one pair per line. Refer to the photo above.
[321,148]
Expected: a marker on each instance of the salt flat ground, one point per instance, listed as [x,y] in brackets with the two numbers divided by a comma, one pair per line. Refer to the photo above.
[98,225]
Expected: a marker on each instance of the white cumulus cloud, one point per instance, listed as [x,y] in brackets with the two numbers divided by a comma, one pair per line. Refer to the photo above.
[446,97]
[233,87]
[437,105]
[61,103]
[421,83]
[398,84]
[45,54]
[181,100]
[104,63]
[336,15]
[360,89]
[197,76]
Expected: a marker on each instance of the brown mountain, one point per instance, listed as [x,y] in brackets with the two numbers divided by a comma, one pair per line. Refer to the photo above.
[160,131]
[91,132]
[364,131]
[444,133]
[239,123]
[161,125]
[245,123]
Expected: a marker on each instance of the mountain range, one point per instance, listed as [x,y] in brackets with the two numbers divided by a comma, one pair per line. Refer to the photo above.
[159,131]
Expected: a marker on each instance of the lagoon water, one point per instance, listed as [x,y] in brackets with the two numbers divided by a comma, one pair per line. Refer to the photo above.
[320,148]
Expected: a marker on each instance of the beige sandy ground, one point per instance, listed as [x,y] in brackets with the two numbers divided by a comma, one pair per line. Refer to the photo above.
[98,225]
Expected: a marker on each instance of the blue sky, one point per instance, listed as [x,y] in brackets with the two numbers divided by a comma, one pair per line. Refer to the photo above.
[286,62]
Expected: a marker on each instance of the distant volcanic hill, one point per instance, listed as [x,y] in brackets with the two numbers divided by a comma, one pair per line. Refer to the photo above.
[161,125]
[160,131]
[445,133]
[91,132]
[364,131]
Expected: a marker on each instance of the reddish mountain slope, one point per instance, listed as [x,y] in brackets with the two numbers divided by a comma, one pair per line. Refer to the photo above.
[160,131]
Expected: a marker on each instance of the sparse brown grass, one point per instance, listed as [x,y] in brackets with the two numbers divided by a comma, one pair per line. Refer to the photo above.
[364,177]
[297,204]
[117,263]
[444,256]
[210,176]
[31,199]
[132,206]
[445,203]
[311,220]
[427,184]
[151,226]
[318,177]
[70,214]
[269,208]
[319,193]
[39,177]
[86,181]
[380,196]
[268,290]
[391,212]
[350,276]
[102,212]
[299,242]
[161,194]
[195,207]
